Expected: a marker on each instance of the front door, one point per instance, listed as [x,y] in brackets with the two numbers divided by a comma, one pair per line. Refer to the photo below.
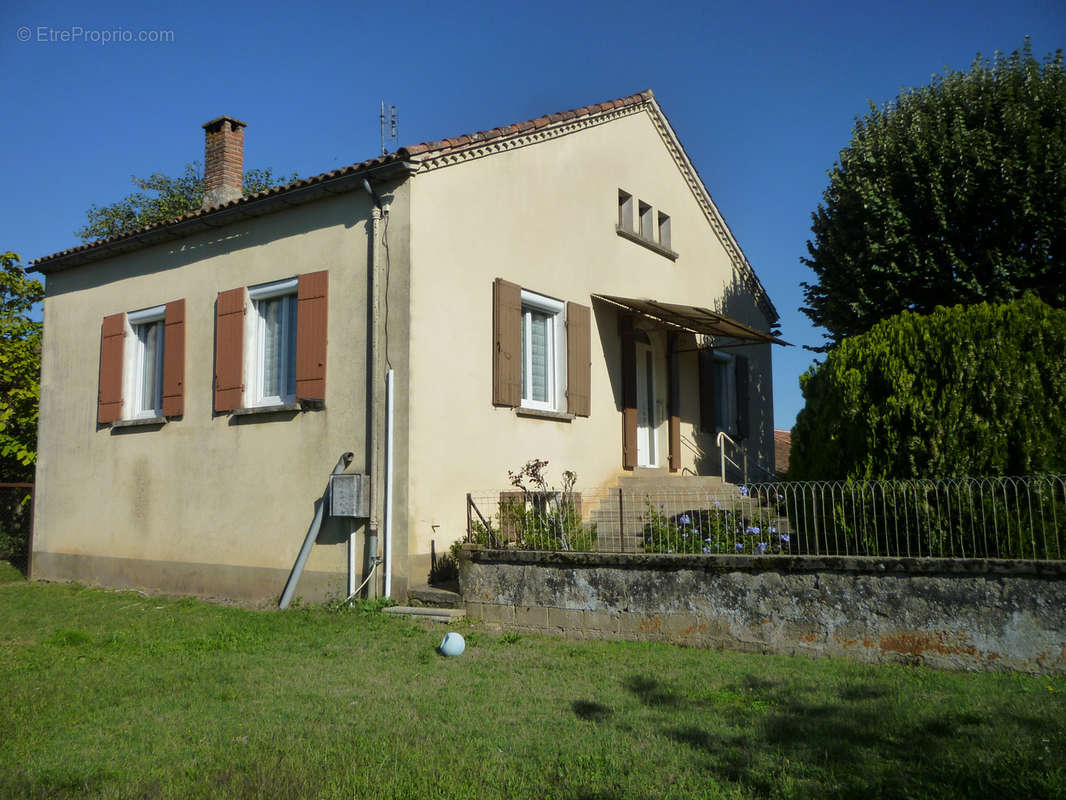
[646,422]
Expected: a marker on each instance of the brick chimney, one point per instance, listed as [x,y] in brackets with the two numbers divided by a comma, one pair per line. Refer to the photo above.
[223,161]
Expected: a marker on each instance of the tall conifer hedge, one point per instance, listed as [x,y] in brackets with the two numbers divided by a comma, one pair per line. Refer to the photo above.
[964,391]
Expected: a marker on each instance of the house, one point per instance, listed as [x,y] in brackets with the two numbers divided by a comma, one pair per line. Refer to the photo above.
[562,288]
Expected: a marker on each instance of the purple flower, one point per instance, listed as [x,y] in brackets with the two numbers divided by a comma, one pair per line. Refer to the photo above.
[717,504]
[785,538]
[743,491]
[706,549]
[754,529]
[773,529]
[762,547]
[685,519]
[738,546]
[708,541]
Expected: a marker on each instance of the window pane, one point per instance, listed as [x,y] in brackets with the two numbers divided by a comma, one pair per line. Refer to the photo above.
[278,316]
[540,357]
[272,346]
[150,336]
[723,389]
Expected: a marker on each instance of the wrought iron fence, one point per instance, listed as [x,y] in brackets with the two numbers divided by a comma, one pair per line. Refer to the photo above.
[952,518]
[16,523]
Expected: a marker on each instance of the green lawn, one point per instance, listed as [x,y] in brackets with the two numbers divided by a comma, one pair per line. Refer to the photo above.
[113,694]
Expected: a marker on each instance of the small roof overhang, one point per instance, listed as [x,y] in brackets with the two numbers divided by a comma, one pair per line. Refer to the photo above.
[692,319]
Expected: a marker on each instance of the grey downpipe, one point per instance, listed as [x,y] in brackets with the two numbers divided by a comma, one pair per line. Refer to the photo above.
[312,534]
[371,556]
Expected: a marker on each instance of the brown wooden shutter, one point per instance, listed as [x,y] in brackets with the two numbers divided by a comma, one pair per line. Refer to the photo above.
[578,359]
[511,504]
[112,347]
[743,399]
[629,393]
[174,359]
[312,315]
[707,399]
[673,400]
[229,350]
[506,343]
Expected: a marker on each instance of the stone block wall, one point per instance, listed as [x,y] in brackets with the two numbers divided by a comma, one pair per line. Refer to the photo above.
[956,614]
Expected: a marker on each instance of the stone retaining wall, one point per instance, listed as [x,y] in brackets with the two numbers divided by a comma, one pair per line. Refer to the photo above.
[958,614]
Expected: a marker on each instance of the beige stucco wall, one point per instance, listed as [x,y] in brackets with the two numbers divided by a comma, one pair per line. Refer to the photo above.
[543,216]
[234,494]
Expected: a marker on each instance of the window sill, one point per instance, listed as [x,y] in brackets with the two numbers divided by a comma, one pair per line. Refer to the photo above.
[655,247]
[139,422]
[538,413]
[280,407]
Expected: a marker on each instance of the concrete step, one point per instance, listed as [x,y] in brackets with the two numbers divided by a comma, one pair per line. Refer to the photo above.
[434,596]
[674,482]
[429,613]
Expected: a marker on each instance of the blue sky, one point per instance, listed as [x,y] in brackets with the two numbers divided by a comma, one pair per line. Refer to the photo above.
[763,95]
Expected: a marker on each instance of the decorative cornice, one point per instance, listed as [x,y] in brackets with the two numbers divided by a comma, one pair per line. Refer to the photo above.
[446,158]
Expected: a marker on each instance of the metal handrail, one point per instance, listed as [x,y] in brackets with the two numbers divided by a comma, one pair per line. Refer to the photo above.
[721,439]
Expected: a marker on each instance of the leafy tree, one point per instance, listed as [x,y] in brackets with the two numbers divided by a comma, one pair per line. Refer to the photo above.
[964,391]
[20,364]
[953,193]
[161,198]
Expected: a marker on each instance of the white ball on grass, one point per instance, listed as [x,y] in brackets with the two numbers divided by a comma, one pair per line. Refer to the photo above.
[452,645]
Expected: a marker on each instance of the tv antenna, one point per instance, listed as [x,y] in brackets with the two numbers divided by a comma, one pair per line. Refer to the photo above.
[390,125]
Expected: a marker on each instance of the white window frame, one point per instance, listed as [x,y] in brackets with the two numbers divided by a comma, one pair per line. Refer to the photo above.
[134,355]
[556,351]
[255,343]
[725,366]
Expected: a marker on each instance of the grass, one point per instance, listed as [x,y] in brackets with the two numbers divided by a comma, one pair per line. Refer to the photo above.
[9,573]
[117,695]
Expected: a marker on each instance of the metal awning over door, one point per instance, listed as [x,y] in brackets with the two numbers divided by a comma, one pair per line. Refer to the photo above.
[691,319]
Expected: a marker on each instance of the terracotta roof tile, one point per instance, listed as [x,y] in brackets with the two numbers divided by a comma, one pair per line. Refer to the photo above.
[782,449]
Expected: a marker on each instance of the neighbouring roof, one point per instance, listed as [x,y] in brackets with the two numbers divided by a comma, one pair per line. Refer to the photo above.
[692,319]
[411,158]
[782,449]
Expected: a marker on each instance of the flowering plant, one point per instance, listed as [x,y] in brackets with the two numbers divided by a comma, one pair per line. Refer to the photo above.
[710,531]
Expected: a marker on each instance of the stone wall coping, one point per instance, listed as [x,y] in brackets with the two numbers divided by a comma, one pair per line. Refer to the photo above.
[770,563]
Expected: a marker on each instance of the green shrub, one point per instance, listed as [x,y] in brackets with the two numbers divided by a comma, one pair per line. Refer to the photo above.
[964,391]
[15,526]
[445,567]
[543,522]
[541,517]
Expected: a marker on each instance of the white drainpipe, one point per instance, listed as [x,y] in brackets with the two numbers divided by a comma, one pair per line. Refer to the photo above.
[389,392]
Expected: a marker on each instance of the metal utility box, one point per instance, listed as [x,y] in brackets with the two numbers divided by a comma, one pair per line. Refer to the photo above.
[349,495]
